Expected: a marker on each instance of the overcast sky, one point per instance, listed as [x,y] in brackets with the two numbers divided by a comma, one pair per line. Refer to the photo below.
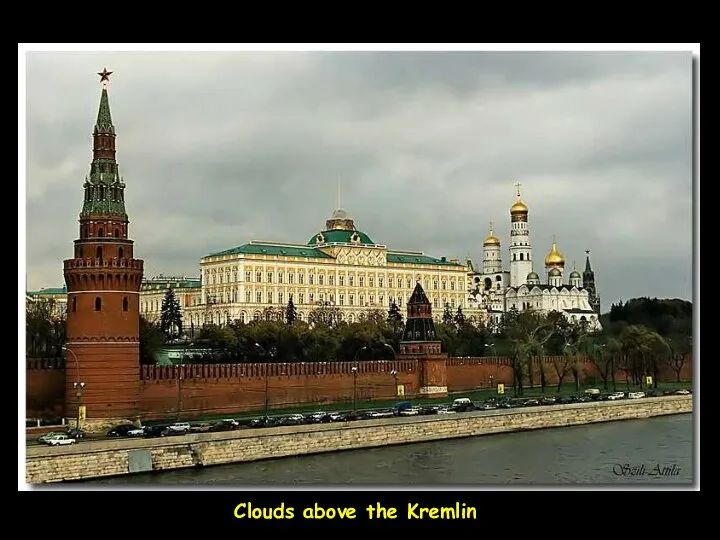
[218,149]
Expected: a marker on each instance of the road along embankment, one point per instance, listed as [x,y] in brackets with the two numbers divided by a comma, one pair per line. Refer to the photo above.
[93,459]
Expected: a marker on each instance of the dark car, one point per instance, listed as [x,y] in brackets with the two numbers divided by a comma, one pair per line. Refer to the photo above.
[564,400]
[262,422]
[531,402]
[75,433]
[548,400]
[154,431]
[121,430]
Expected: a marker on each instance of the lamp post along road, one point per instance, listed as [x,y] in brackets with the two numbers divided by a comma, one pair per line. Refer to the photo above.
[78,385]
[394,374]
[355,374]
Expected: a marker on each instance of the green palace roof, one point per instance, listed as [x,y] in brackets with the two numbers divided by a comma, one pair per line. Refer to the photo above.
[274,249]
[160,284]
[341,237]
[51,290]
[413,258]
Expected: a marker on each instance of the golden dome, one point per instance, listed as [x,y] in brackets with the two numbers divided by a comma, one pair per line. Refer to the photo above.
[519,207]
[491,239]
[554,258]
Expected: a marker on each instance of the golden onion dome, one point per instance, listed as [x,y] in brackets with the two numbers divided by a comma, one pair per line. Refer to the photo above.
[554,258]
[518,208]
[491,240]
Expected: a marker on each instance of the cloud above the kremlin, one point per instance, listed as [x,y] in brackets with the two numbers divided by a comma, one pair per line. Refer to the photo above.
[218,149]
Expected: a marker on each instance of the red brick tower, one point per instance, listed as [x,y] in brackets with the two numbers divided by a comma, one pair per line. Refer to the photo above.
[420,341]
[103,282]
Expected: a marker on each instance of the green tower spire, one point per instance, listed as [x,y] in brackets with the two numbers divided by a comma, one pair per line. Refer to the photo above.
[104,188]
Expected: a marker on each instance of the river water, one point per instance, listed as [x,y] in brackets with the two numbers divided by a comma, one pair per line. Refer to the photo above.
[638,452]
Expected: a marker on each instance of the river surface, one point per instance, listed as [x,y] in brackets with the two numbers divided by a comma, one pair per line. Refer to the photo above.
[638,452]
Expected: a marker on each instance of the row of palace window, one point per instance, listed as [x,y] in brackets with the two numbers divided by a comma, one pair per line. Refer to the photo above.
[98,304]
[321,280]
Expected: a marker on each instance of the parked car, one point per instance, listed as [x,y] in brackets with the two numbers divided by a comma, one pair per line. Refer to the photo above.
[548,400]
[136,432]
[531,402]
[59,439]
[75,433]
[411,411]
[121,430]
[154,431]
[338,417]
[293,420]
[636,395]
[486,406]
[262,422]
[462,405]
[318,418]
[681,392]
[230,423]
[446,410]
[615,396]
[384,413]
[45,438]
[428,410]
[564,400]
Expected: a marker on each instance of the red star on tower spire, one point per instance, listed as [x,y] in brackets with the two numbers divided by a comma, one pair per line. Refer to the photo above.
[104,75]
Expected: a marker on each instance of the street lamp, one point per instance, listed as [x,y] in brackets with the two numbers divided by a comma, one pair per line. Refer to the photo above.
[270,354]
[78,385]
[354,372]
[394,374]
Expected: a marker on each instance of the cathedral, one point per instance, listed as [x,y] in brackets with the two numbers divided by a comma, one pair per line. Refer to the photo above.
[521,288]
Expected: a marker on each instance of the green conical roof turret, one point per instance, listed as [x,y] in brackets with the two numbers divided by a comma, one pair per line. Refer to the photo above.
[104,120]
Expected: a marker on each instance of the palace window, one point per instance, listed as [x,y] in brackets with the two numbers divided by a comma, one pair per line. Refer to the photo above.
[382,300]
[452,285]
[258,297]
[247,275]
[311,298]
[269,277]
[380,282]
[269,297]
[301,278]
[362,281]
[332,298]
[301,296]
[280,298]
[435,302]
[371,280]
[342,300]
[321,279]
[258,277]
[291,278]
[247,296]
[372,299]
[280,277]
[435,283]
[322,297]
[351,281]
[352,299]
[342,281]
[409,283]
[362,300]
[331,280]
[311,279]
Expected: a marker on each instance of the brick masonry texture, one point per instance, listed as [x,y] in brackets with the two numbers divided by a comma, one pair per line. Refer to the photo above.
[228,388]
[110,458]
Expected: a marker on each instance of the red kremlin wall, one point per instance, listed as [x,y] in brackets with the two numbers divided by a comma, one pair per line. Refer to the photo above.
[225,388]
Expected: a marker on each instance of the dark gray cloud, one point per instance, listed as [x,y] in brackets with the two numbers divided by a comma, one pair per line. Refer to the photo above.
[221,148]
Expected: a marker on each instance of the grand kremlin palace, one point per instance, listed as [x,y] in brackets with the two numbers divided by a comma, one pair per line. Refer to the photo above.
[343,267]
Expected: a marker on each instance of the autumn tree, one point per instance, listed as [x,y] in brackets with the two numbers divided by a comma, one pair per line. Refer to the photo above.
[527,334]
[679,348]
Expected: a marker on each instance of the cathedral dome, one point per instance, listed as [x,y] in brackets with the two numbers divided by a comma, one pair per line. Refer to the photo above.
[554,258]
[532,276]
[554,272]
[575,274]
[518,208]
[491,240]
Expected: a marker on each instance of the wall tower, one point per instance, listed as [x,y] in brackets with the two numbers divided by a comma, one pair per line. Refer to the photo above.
[103,281]
[420,341]
[520,249]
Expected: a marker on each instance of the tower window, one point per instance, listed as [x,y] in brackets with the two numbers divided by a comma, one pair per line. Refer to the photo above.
[74,304]
[514,256]
[117,233]
[522,257]
[101,232]
[98,303]
[125,303]
[98,252]
[121,253]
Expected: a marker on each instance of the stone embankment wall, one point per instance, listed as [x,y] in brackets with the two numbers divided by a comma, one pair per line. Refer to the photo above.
[112,458]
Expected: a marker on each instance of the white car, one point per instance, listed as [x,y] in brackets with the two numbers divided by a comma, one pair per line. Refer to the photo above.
[137,432]
[616,395]
[180,426]
[59,439]
[636,395]
[682,392]
[446,410]
[412,411]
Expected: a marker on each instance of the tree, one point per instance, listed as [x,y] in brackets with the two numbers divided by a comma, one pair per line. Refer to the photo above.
[170,315]
[459,318]
[602,354]
[679,351]
[447,317]
[395,317]
[44,329]
[527,333]
[290,312]
[325,313]
[575,336]
[640,343]
[151,340]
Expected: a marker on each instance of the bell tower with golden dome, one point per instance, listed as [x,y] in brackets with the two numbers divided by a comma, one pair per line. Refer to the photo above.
[492,259]
[520,248]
